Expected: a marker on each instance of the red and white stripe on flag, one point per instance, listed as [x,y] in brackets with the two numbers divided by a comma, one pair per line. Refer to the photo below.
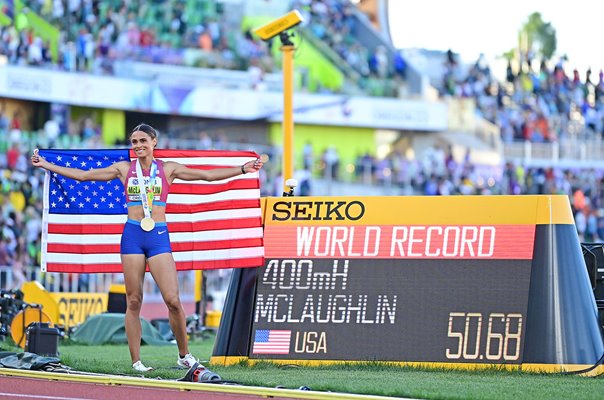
[212,224]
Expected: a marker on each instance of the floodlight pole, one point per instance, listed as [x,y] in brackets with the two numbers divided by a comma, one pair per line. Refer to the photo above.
[287,49]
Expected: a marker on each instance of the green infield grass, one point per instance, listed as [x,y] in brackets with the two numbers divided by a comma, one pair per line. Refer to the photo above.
[367,378]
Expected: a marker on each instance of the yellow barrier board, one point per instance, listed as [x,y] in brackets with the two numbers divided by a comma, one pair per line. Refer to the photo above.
[65,309]
[74,308]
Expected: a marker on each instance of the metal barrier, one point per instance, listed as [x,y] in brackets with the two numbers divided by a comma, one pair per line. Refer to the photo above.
[6,277]
[91,283]
[568,152]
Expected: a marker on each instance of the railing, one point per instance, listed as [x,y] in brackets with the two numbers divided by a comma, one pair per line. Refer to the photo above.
[6,277]
[89,283]
[569,152]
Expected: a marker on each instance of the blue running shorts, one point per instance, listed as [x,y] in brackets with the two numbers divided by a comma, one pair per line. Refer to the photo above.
[136,241]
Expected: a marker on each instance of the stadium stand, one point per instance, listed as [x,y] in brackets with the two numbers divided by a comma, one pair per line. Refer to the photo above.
[95,34]
[539,105]
[100,37]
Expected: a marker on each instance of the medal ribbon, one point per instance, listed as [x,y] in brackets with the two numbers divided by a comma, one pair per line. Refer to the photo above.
[146,191]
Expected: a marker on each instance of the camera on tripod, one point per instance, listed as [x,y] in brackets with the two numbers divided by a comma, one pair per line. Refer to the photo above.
[11,302]
[291,184]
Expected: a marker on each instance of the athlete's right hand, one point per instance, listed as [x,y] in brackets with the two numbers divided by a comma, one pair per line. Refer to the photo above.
[36,159]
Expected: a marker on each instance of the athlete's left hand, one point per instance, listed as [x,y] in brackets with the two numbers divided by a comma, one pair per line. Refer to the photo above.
[253,166]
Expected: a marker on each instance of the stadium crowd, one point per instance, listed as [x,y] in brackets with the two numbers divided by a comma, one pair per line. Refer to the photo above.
[332,22]
[93,35]
[535,102]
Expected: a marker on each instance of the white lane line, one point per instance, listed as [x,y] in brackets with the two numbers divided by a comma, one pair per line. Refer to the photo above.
[36,396]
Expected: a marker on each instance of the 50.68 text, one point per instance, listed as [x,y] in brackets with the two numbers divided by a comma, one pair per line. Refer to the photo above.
[500,341]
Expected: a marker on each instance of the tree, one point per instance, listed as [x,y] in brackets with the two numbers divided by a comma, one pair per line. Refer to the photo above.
[538,37]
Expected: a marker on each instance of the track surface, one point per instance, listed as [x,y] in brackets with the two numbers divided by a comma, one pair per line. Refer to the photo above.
[18,384]
[34,388]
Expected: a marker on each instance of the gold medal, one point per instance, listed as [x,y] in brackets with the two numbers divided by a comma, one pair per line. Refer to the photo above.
[147,224]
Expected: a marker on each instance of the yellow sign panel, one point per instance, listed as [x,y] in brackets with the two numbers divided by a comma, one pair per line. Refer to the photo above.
[74,308]
[35,293]
[67,309]
[424,210]
[279,25]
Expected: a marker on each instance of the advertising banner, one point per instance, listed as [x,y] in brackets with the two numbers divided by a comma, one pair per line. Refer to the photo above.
[190,95]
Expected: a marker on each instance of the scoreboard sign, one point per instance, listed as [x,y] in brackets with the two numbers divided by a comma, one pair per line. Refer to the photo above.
[404,279]
[364,309]
[356,280]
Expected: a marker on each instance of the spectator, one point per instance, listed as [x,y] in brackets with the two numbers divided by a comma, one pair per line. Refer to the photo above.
[6,257]
[12,155]
[89,129]
[400,65]
[581,223]
[331,160]
[4,120]
[15,123]
[307,156]
[52,131]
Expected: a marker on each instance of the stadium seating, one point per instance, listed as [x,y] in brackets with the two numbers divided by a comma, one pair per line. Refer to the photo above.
[94,38]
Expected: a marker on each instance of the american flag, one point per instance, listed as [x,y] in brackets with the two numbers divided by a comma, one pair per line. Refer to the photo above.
[212,224]
[271,341]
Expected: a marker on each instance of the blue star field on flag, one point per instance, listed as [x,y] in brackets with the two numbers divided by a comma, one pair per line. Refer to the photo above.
[68,196]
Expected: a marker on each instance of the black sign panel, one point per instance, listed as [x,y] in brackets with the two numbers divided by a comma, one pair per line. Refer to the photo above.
[391,310]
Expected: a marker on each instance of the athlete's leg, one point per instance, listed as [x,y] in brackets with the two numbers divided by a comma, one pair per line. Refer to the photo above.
[134,274]
[163,270]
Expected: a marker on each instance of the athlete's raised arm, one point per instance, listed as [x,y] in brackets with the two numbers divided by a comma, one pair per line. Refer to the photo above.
[117,170]
[177,170]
